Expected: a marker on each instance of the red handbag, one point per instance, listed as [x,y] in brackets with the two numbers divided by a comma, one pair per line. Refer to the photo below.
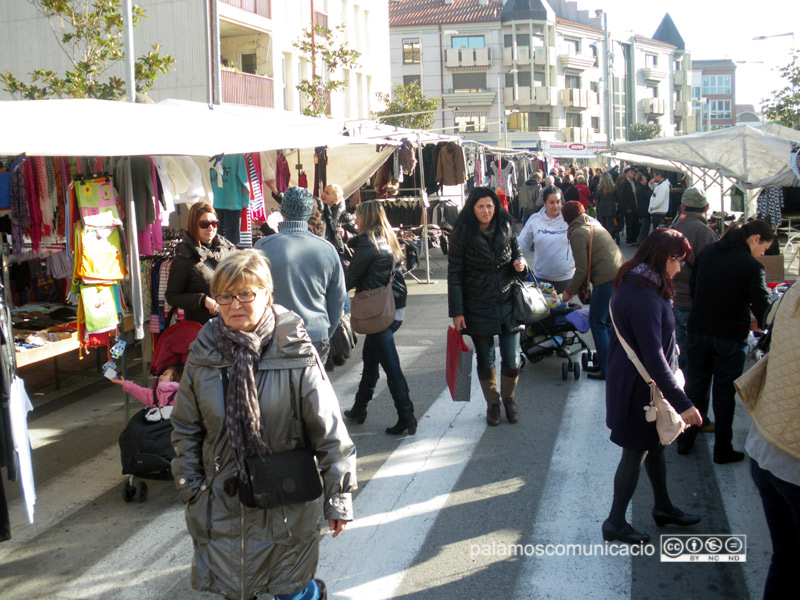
[458,370]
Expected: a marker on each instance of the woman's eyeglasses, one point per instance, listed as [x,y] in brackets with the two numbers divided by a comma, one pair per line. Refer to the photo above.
[207,224]
[680,259]
[244,297]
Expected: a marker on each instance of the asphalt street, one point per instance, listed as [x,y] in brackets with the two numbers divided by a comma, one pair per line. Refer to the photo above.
[458,511]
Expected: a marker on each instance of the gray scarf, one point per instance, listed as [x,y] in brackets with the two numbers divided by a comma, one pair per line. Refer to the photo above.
[242,411]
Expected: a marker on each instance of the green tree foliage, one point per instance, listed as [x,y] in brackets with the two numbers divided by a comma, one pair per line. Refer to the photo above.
[407,99]
[644,131]
[89,32]
[334,54]
[784,106]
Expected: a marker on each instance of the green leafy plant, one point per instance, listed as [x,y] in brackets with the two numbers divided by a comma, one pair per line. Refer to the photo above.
[407,99]
[784,106]
[644,131]
[334,54]
[89,32]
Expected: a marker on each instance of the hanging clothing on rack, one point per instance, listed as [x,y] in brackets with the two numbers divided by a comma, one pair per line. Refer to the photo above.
[451,166]
[503,177]
[320,169]
[282,173]
[769,205]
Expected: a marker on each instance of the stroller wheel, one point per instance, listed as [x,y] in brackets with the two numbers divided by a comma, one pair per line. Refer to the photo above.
[594,359]
[521,360]
[128,491]
[576,371]
[564,370]
[141,492]
[584,359]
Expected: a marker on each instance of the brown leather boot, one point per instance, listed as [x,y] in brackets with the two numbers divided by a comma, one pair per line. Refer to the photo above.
[488,379]
[508,384]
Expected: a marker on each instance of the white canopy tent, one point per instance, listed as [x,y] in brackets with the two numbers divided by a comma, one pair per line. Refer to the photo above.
[84,127]
[752,157]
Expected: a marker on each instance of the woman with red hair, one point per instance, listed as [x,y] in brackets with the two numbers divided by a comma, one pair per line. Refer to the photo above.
[642,312]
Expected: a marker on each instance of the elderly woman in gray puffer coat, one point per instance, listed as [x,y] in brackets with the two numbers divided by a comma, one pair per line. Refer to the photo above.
[277,399]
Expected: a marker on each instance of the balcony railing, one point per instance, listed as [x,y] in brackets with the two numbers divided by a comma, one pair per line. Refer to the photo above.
[244,88]
[259,7]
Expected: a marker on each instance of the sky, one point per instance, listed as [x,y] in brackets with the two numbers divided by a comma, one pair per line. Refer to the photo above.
[714,29]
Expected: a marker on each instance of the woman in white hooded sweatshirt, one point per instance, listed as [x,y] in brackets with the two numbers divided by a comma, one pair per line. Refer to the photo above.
[546,234]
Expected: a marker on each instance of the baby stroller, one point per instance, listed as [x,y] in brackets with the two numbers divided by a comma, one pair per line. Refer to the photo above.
[145,444]
[557,334]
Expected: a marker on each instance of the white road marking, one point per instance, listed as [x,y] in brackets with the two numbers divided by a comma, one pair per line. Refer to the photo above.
[574,503]
[399,505]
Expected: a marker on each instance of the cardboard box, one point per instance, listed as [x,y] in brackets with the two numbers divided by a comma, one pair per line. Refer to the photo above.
[773,267]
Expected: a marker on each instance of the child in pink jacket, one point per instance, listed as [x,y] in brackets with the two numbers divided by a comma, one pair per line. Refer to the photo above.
[164,393]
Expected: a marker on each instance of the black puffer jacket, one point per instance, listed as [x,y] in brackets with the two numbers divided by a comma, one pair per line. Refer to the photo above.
[479,280]
[370,267]
[190,275]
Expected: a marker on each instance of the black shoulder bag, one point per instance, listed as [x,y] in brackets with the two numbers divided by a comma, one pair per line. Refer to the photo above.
[276,479]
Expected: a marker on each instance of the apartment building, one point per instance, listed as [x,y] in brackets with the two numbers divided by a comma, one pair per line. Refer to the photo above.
[257,63]
[525,72]
[714,89]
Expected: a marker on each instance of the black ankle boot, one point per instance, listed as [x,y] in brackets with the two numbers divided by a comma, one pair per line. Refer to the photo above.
[404,407]
[358,412]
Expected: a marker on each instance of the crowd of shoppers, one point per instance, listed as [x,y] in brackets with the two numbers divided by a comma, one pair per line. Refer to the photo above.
[684,300]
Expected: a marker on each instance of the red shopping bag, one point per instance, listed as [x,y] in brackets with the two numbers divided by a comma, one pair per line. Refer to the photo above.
[458,370]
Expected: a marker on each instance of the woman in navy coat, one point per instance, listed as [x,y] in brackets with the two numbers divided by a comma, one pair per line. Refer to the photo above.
[642,312]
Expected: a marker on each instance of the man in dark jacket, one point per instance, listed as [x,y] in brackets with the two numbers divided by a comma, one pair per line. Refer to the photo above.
[626,193]
[340,225]
[691,223]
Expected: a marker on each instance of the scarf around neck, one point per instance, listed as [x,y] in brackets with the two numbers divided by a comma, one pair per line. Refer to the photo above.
[242,410]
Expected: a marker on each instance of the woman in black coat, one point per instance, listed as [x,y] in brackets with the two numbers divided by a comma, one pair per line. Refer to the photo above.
[642,314]
[374,250]
[196,257]
[483,260]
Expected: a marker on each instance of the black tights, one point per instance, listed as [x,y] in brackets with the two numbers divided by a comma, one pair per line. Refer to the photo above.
[627,477]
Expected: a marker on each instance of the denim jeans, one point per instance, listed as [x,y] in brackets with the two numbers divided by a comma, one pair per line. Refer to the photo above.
[711,356]
[600,321]
[681,335]
[657,220]
[229,222]
[781,501]
[644,228]
[509,350]
[525,216]
[311,592]
[379,350]
[608,224]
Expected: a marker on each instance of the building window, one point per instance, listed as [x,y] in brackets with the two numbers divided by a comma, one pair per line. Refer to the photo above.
[596,124]
[523,40]
[539,77]
[696,92]
[247,63]
[651,61]
[469,82]
[594,86]
[573,119]
[720,109]
[651,91]
[529,121]
[716,84]
[467,41]
[523,78]
[411,51]
[571,46]
[411,79]
[471,123]
[572,81]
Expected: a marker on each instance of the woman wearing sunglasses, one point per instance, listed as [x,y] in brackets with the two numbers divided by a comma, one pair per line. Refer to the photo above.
[196,258]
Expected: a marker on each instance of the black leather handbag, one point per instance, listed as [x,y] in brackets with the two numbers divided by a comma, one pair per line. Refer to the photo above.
[276,479]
